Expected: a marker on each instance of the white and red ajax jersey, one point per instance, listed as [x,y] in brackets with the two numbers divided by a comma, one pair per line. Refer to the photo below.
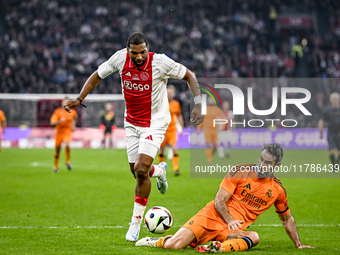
[144,87]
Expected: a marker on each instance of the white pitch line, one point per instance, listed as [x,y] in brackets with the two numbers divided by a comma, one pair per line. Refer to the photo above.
[40,163]
[56,227]
[299,225]
[177,226]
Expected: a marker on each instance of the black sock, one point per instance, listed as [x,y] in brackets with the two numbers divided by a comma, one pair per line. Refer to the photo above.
[332,159]
[248,241]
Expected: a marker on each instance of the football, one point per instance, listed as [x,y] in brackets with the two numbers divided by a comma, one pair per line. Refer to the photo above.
[158,220]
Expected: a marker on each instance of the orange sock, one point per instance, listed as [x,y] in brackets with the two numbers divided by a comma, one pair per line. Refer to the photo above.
[175,162]
[160,243]
[209,154]
[68,153]
[161,158]
[240,244]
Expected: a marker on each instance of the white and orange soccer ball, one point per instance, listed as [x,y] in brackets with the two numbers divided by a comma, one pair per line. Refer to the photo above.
[158,220]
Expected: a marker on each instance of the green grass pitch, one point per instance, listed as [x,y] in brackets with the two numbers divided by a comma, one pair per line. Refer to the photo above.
[87,210]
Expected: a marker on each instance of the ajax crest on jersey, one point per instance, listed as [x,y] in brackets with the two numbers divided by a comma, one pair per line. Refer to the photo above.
[158,220]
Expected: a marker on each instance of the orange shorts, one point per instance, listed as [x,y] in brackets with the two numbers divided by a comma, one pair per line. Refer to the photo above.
[210,136]
[65,136]
[207,225]
[170,138]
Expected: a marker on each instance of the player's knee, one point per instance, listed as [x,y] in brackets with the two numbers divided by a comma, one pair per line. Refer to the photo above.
[56,153]
[141,174]
[254,237]
[141,171]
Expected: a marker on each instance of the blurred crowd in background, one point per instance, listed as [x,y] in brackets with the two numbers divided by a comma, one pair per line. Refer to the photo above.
[50,46]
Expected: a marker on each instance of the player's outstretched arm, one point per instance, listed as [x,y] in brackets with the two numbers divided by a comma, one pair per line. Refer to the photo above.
[196,114]
[54,123]
[181,122]
[221,198]
[289,225]
[89,85]
[74,122]
[4,126]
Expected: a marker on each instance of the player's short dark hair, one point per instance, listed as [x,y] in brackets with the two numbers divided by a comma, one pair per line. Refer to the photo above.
[137,38]
[274,149]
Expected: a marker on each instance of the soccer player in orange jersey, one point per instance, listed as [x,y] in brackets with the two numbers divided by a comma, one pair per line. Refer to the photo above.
[3,125]
[171,134]
[210,131]
[247,191]
[65,123]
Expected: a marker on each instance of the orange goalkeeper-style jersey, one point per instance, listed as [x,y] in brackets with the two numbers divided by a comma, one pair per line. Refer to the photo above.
[2,118]
[61,113]
[251,195]
[175,110]
[213,112]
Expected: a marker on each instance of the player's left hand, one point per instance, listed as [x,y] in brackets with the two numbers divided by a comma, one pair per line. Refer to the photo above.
[196,115]
[302,246]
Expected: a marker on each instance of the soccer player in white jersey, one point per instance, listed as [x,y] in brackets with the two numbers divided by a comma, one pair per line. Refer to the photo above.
[144,76]
[224,135]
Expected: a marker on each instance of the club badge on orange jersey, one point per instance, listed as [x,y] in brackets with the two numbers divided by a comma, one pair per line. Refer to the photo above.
[269,193]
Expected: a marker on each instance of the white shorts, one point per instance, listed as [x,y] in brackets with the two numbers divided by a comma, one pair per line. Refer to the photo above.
[224,136]
[143,140]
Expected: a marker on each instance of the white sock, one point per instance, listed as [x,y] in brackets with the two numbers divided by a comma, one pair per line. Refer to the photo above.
[158,171]
[220,152]
[227,150]
[138,213]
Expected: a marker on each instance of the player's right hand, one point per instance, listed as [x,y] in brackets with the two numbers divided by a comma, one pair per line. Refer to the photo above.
[71,103]
[235,225]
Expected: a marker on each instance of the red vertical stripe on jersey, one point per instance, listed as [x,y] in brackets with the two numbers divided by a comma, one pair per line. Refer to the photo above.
[137,88]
